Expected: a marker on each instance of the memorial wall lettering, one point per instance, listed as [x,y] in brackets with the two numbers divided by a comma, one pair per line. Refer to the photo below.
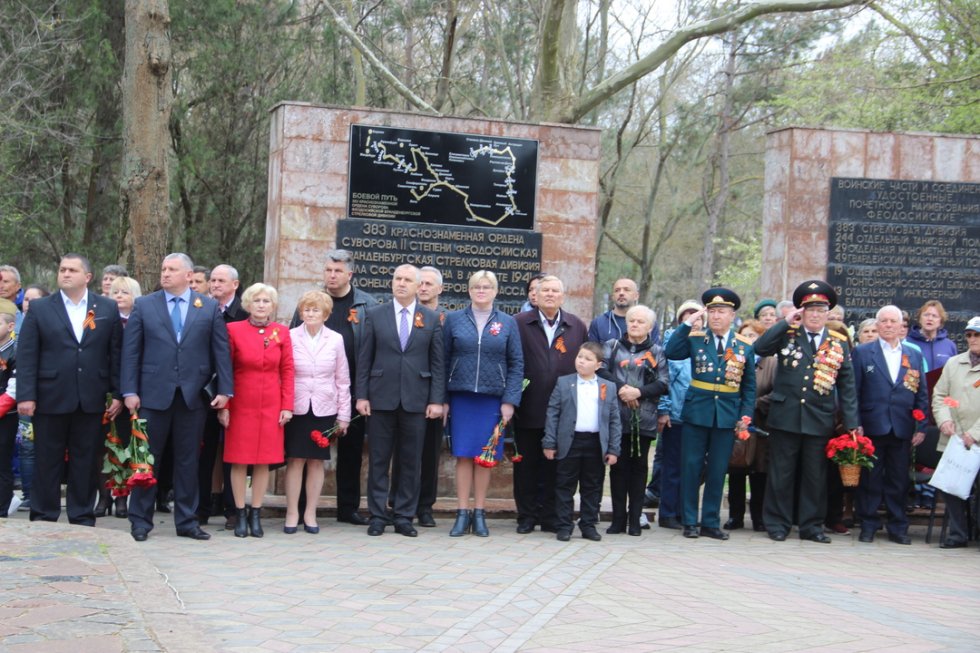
[380,246]
[905,242]
[441,178]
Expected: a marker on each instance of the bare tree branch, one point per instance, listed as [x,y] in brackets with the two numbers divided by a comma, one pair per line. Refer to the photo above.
[617,82]
[376,63]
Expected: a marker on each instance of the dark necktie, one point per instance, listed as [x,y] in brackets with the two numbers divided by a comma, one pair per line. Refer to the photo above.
[813,340]
[721,345]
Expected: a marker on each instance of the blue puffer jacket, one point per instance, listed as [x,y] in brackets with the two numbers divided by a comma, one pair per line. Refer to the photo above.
[491,362]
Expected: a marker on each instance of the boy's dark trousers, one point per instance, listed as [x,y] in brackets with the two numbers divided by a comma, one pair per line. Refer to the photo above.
[584,466]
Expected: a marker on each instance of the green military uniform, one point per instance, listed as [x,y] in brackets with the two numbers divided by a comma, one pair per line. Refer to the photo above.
[809,387]
[722,390]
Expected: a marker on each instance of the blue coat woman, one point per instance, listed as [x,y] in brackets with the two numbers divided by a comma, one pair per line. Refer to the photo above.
[484,374]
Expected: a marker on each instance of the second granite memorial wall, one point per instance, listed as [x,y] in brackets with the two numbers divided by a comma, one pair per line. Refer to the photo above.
[887,218]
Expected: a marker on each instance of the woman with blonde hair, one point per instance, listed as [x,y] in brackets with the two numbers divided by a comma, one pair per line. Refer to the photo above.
[262,360]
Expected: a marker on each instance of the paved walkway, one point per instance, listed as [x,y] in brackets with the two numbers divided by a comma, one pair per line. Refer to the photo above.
[81,589]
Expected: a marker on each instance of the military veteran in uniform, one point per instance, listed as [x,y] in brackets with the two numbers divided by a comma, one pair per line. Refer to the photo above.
[722,391]
[814,378]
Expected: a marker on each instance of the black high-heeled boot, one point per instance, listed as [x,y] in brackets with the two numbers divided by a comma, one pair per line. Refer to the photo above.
[462,525]
[254,523]
[122,511]
[480,523]
[241,526]
[104,506]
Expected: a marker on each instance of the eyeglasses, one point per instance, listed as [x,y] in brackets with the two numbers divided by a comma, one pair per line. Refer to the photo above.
[972,334]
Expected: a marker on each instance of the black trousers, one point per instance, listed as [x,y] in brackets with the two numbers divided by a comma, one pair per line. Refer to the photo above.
[394,431]
[627,480]
[887,481]
[184,427]
[534,479]
[82,436]
[429,482]
[209,452]
[786,452]
[582,467]
[736,495]
[8,440]
[350,451]
[956,514]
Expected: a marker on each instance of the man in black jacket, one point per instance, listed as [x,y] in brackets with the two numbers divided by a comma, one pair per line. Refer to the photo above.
[68,361]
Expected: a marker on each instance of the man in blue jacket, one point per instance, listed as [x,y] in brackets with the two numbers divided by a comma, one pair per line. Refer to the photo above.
[893,401]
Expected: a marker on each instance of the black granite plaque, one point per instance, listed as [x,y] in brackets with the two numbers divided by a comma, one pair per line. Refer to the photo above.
[441,178]
[380,246]
[905,242]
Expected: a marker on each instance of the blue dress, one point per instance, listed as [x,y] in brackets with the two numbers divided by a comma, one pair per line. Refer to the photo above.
[472,418]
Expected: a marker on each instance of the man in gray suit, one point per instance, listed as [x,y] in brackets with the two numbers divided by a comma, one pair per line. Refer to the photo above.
[400,384]
[174,342]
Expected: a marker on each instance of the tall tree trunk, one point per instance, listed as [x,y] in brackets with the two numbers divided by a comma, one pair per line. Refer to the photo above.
[101,210]
[147,100]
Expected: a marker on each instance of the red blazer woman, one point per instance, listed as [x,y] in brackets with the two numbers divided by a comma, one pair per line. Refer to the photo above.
[262,360]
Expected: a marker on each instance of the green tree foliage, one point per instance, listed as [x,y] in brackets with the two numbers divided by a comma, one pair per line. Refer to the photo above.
[913,67]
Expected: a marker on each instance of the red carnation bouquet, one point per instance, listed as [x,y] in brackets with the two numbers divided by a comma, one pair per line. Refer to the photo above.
[324,439]
[140,458]
[851,449]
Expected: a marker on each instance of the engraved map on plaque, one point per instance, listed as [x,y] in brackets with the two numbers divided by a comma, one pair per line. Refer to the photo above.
[441,177]
[904,242]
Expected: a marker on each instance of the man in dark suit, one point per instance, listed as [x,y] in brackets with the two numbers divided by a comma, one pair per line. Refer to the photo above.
[223,287]
[890,388]
[550,339]
[175,341]
[722,390]
[67,362]
[400,384]
[814,379]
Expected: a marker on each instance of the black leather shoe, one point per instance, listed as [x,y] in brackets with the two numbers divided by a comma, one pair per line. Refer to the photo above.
[312,530]
[820,538]
[255,522]
[195,533]
[635,531]
[734,524]
[670,522]
[713,533]
[480,523]
[376,528]
[426,520]
[899,539]
[591,534]
[525,526]
[139,534]
[952,544]
[462,524]
[867,537]
[615,528]
[405,528]
[122,511]
[691,532]
[777,536]
[353,518]
[563,536]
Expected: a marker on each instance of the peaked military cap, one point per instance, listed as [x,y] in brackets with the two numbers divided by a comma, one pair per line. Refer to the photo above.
[720,297]
[814,291]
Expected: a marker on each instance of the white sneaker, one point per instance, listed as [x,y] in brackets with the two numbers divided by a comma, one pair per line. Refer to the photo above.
[644,522]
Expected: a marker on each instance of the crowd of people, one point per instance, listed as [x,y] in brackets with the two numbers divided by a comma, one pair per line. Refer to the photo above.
[229,393]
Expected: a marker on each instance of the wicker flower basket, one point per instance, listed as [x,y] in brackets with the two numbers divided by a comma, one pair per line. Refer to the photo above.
[850,475]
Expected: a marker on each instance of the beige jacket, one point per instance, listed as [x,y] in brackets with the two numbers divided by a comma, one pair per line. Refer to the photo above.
[961,381]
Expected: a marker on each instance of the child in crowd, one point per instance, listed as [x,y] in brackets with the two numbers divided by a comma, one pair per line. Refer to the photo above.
[583,432]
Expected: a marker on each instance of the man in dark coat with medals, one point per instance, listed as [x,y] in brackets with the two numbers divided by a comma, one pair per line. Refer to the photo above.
[814,378]
[722,391]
